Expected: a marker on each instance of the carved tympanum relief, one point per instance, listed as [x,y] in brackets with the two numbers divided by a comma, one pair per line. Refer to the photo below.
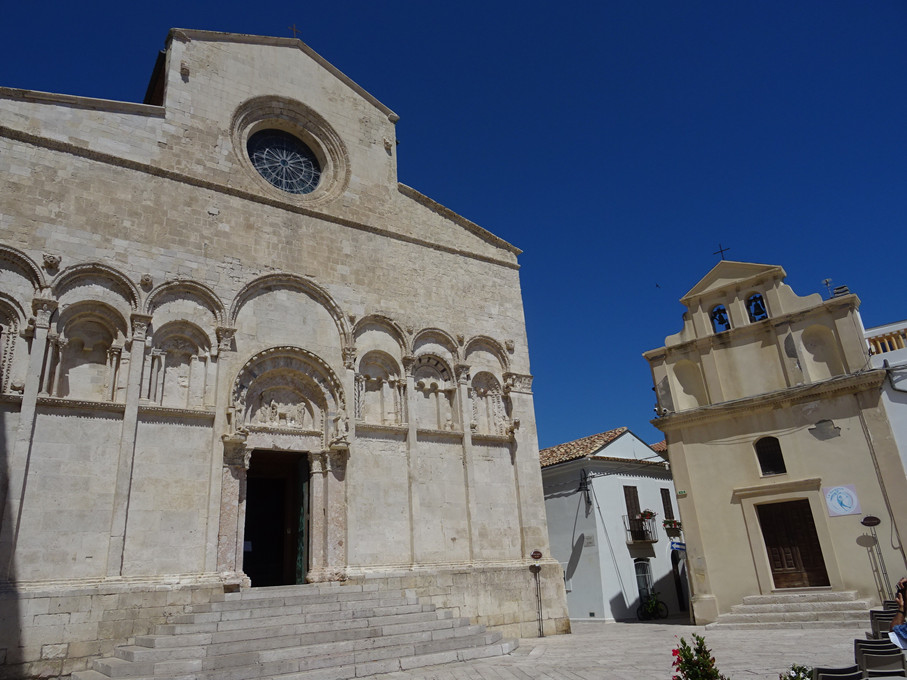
[435,394]
[288,388]
[380,392]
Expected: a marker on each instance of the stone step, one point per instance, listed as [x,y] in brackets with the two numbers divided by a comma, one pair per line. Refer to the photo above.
[780,625]
[300,633]
[849,605]
[343,600]
[261,624]
[341,672]
[774,617]
[803,596]
[269,613]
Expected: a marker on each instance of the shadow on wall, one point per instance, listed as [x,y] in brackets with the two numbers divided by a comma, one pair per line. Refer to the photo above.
[10,615]
[667,593]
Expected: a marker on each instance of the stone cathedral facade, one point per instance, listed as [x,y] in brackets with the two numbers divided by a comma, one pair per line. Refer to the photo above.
[237,352]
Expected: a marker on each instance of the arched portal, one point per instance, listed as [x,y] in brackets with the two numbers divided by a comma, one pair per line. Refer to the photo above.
[283,504]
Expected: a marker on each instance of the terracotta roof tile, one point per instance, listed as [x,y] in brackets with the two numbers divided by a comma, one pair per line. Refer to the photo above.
[660,447]
[579,447]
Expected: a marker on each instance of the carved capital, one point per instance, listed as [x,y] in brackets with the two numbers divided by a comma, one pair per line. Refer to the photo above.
[225,338]
[517,382]
[140,323]
[43,309]
[462,371]
[409,361]
[317,464]
[349,357]
[235,452]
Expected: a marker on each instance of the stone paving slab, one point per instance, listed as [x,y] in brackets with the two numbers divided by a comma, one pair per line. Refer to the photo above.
[642,651]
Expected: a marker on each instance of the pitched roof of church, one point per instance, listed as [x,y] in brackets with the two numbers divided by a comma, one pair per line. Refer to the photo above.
[579,447]
[659,447]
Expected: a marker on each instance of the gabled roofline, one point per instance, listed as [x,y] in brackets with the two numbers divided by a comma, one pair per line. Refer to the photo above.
[759,270]
[187,34]
[449,214]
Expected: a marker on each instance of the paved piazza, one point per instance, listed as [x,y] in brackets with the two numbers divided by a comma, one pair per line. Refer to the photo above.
[642,651]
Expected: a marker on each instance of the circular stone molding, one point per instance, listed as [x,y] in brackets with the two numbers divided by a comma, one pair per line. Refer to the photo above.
[291,120]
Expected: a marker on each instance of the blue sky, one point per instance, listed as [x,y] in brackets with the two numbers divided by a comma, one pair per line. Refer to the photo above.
[616,143]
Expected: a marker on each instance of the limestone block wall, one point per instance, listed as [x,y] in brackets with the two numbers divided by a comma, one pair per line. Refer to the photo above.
[54,631]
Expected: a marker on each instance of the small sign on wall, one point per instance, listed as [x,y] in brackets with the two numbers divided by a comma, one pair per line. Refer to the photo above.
[841,500]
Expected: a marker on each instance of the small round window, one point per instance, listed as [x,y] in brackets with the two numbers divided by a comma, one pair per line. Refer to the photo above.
[284,161]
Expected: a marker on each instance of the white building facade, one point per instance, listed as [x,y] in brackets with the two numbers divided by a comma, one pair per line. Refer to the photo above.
[599,491]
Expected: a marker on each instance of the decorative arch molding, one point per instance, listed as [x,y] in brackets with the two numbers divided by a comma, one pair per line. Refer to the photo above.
[389,325]
[79,274]
[12,319]
[491,345]
[287,388]
[298,283]
[23,262]
[100,312]
[193,289]
[442,338]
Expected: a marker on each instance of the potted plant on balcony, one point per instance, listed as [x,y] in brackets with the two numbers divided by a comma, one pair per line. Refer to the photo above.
[672,524]
[647,514]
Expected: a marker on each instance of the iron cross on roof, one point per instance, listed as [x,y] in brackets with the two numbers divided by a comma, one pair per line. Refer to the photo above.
[721,251]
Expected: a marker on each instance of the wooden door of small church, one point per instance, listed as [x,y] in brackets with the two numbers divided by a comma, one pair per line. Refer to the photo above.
[792,544]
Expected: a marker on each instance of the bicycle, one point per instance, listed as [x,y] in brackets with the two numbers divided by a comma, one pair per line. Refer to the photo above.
[651,608]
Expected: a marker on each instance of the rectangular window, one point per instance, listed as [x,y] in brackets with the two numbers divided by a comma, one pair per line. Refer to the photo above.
[631,496]
[666,503]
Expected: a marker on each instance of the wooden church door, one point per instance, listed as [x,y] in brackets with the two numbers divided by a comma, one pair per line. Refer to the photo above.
[792,544]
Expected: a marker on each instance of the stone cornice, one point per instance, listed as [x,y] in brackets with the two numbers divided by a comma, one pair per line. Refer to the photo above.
[365,428]
[480,438]
[772,488]
[726,338]
[449,214]
[453,435]
[169,412]
[76,102]
[81,404]
[845,384]
[189,180]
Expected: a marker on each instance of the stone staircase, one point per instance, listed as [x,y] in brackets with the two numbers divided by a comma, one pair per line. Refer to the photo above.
[809,609]
[309,632]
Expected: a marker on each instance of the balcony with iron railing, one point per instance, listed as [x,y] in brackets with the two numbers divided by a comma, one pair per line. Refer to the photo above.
[640,529]
[887,338]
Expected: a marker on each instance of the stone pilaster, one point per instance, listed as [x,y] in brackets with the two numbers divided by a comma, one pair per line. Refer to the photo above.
[231,533]
[335,513]
[464,406]
[123,489]
[20,451]
[317,516]
[409,362]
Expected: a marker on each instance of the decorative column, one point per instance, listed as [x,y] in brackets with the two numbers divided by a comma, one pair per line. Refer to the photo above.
[465,409]
[231,532]
[20,451]
[527,474]
[409,363]
[123,489]
[317,517]
[335,516]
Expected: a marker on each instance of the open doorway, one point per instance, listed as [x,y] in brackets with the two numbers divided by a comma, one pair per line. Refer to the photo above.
[276,534]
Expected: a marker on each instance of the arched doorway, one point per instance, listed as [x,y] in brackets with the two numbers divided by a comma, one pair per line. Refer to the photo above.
[275,545]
